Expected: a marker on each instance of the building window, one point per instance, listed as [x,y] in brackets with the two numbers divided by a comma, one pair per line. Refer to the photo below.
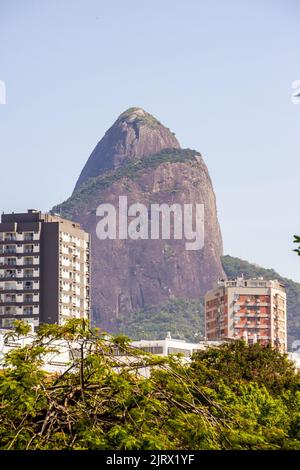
[152,349]
[28,285]
[28,310]
[185,352]
[8,237]
[28,236]
[28,261]
[11,261]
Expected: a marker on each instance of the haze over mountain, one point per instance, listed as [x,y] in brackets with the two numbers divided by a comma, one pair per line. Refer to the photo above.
[140,158]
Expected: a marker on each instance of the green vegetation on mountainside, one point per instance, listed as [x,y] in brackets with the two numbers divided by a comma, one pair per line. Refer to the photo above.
[140,118]
[183,318]
[131,170]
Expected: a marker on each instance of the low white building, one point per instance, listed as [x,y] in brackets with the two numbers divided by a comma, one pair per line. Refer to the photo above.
[169,345]
[295,357]
[66,352]
[54,362]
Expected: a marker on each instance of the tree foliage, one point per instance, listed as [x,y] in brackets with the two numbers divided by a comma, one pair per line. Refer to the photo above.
[297,240]
[232,397]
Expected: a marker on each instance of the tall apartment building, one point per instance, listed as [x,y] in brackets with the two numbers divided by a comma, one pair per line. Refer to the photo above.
[44,269]
[252,309]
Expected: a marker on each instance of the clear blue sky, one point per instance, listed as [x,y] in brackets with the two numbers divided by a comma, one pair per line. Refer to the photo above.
[218,73]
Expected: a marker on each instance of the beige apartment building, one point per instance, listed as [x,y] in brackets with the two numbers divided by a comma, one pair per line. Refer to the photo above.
[44,269]
[249,309]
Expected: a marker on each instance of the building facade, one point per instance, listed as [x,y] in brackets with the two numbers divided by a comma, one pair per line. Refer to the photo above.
[169,345]
[249,309]
[44,269]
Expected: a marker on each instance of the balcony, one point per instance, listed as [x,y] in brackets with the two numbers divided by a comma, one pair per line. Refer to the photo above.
[9,299]
[9,250]
[9,274]
[28,310]
[8,311]
[10,262]
[28,273]
[28,237]
[10,238]
[10,287]
[28,262]
[28,286]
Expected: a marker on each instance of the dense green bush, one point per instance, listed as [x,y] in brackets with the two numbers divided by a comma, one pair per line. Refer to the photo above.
[220,401]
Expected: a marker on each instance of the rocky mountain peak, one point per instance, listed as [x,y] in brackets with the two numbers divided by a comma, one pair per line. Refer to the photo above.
[133,113]
[140,158]
[136,134]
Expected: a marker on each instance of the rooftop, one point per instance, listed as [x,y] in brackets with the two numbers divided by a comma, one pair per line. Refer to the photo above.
[250,282]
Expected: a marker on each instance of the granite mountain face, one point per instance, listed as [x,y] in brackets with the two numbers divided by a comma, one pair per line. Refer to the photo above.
[140,158]
[136,134]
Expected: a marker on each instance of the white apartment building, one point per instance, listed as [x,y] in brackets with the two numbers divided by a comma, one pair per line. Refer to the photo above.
[44,269]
